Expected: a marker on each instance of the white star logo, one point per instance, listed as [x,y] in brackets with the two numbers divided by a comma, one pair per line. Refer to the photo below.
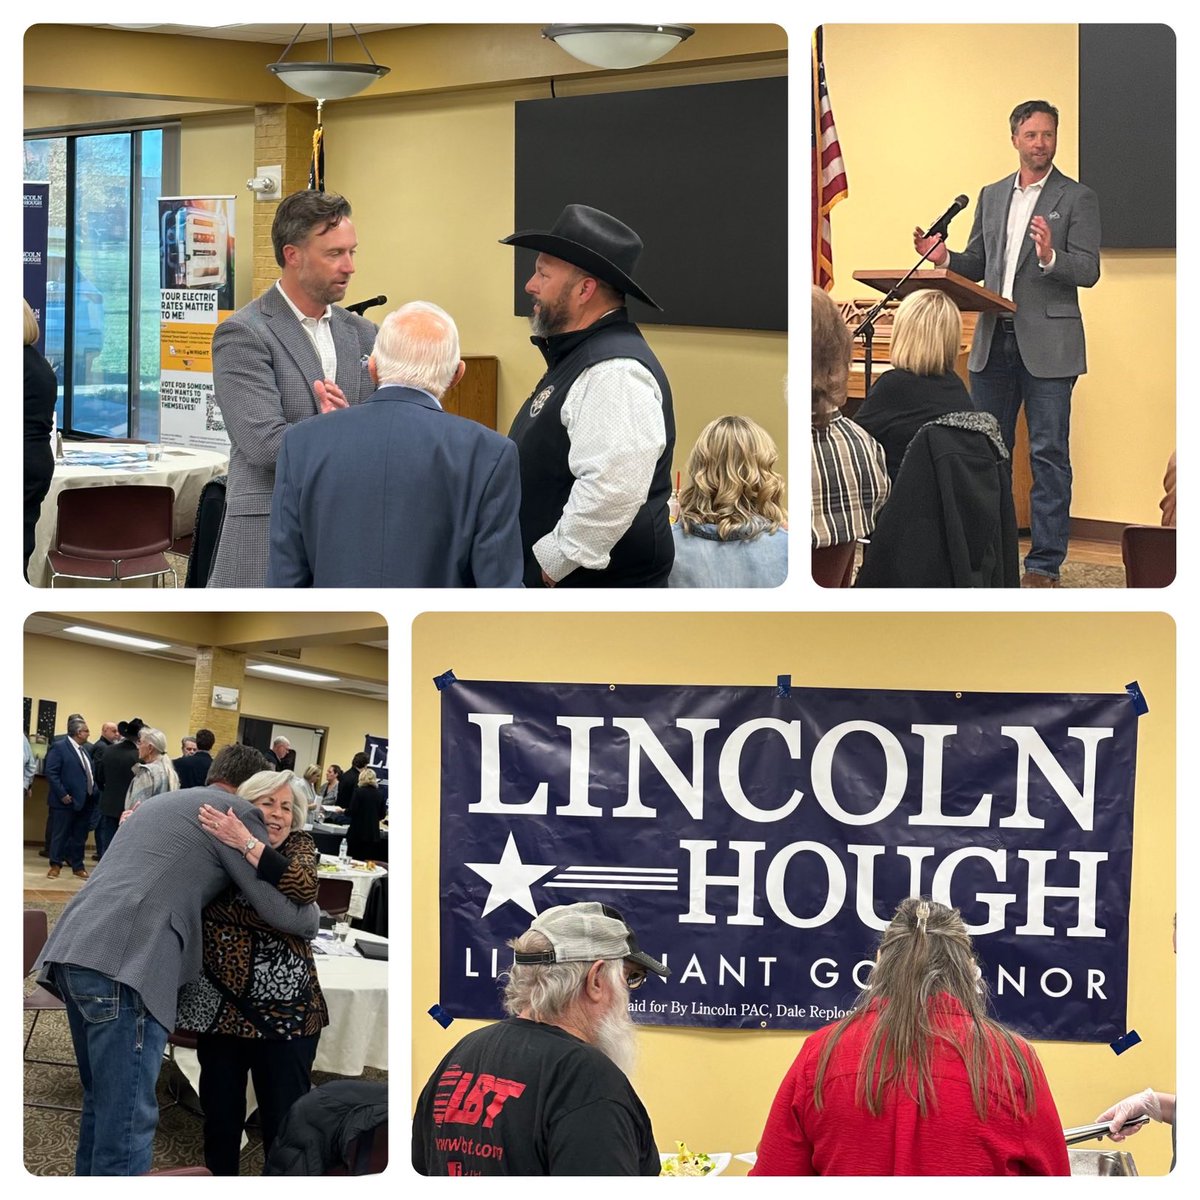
[510,878]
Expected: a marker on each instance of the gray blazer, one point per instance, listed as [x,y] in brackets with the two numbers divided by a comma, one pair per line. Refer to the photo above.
[137,919]
[1048,322]
[264,368]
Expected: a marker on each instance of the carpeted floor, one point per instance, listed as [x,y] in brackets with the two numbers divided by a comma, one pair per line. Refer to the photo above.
[50,1136]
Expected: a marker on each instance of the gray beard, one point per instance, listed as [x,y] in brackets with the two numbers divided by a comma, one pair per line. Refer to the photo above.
[615,1036]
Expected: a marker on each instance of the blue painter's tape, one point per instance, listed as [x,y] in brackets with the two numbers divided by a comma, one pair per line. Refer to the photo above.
[1139,701]
[441,1016]
[442,682]
[1124,1042]
[783,686]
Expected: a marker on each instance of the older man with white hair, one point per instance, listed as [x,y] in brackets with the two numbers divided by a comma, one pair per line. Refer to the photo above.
[397,492]
[547,1091]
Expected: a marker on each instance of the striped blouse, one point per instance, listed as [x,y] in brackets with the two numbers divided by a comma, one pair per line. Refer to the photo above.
[849,482]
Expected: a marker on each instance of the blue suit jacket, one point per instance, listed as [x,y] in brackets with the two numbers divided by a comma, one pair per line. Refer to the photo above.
[67,777]
[395,492]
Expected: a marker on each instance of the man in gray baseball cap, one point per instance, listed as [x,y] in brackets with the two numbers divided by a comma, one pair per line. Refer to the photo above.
[547,1092]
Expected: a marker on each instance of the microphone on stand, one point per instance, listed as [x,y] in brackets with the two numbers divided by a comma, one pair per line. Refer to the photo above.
[940,226]
[362,305]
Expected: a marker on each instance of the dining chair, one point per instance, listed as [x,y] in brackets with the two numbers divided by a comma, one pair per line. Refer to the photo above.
[333,896]
[1148,552]
[206,533]
[113,533]
[36,930]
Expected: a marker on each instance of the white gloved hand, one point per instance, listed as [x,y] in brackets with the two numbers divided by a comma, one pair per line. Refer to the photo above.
[1138,1105]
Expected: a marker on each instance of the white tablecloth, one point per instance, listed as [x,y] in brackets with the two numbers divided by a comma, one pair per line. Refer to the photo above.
[355,992]
[361,880]
[184,471]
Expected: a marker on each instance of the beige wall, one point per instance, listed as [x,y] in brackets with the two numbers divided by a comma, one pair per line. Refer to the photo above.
[922,115]
[117,685]
[426,158]
[713,1088]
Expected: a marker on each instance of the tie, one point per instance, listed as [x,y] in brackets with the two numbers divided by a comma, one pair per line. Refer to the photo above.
[87,766]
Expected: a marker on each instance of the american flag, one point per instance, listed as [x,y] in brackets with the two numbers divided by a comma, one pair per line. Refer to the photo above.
[828,171]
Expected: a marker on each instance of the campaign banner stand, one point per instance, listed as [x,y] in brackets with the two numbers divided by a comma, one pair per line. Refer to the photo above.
[36,203]
[196,254]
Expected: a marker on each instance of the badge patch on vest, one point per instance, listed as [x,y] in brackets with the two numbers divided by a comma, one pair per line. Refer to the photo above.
[539,401]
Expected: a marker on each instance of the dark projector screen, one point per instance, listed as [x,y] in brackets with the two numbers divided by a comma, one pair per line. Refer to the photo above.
[1127,131]
[699,172]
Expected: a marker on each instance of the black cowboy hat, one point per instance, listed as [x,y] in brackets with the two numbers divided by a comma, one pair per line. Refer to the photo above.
[592,240]
[131,729]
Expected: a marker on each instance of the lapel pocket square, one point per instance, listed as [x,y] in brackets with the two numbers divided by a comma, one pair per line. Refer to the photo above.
[1054,216]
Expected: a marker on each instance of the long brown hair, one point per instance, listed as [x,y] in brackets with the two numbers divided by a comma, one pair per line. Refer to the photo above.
[924,952]
[832,348]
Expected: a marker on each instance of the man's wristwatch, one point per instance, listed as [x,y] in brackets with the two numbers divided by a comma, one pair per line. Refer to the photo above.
[250,844]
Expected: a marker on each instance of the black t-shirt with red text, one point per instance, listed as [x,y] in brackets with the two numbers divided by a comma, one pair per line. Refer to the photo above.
[521,1098]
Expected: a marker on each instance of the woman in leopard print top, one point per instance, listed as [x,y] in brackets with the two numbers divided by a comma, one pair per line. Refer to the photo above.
[257,1006]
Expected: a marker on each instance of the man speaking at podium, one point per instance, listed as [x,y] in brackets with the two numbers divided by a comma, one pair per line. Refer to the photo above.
[1035,240]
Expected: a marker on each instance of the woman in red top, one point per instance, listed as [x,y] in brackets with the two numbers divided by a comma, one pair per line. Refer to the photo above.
[916,1079]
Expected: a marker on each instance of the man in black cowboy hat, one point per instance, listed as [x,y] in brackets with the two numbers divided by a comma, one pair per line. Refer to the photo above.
[114,772]
[596,435]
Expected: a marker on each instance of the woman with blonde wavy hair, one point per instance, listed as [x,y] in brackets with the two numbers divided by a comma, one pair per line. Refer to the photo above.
[732,527]
[916,1079]
[922,385]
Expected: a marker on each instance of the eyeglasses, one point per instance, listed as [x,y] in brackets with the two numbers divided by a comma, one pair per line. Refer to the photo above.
[634,979]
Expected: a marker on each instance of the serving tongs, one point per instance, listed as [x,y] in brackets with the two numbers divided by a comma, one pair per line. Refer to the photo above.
[1086,1133]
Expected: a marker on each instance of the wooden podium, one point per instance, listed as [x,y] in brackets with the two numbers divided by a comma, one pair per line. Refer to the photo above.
[971,300]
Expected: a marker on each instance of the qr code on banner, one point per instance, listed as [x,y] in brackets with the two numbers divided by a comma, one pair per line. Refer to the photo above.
[212,418]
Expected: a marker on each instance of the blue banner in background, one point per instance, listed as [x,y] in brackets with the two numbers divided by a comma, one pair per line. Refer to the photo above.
[37,226]
[376,750]
[758,843]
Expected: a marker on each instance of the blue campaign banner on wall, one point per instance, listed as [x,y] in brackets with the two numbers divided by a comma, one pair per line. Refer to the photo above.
[376,750]
[758,840]
[36,202]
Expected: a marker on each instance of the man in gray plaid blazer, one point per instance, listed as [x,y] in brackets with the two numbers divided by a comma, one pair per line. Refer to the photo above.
[132,937]
[289,355]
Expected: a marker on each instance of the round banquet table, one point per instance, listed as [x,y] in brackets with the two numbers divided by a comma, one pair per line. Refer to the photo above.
[360,880]
[183,470]
[355,991]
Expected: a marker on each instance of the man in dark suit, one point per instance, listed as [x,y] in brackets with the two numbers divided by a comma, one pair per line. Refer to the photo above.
[127,942]
[114,773]
[72,798]
[1036,241]
[397,492]
[192,769]
[288,355]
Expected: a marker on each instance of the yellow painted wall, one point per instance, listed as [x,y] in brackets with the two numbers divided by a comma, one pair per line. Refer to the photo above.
[117,685]
[426,159]
[713,1088]
[922,115]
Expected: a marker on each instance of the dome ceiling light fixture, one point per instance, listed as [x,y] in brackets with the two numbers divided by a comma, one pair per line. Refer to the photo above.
[617,47]
[327,80]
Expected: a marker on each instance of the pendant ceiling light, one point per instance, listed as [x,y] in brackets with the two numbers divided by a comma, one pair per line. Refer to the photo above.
[617,47]
[327,80]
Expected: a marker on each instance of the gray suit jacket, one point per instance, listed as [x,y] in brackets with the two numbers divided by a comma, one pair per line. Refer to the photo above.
[264,368]
[1048,322]
[396,493]
[137,919]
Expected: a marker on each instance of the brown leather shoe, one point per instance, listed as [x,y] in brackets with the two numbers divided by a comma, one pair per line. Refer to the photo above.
[54,872]
[81,873]
[1036,579]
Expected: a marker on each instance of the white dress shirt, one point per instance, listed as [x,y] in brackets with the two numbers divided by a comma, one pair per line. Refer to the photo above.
[613,415]
[320,333]
[1020,213]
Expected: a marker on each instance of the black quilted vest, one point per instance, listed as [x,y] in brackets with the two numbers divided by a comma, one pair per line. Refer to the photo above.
[644,554]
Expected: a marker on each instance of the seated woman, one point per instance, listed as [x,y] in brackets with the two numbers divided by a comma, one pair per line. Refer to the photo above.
[363,838]
[153,773]
[730,531]
[921,385]
[257,1005]
[916,1079]
[849,473]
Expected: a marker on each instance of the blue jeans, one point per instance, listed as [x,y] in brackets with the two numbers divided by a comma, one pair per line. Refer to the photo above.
[119,1048]
[105,830]
[1000,389]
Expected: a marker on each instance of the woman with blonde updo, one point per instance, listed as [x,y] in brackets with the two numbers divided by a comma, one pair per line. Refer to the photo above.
[922,385]
[731,530]
[916,1079]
